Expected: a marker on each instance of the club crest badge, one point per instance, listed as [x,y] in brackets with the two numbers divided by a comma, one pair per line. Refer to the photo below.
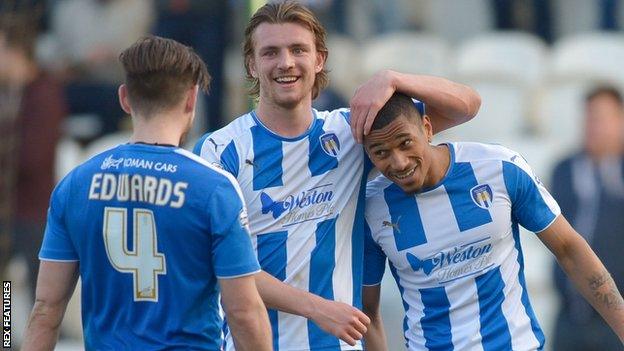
[482,196]
[330,144]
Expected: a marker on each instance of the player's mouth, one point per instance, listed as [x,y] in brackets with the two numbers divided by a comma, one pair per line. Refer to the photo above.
[404,175]
[285,80]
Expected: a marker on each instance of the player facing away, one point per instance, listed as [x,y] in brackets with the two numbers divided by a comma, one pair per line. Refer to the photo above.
[446,216]
[152,230]
[303,176]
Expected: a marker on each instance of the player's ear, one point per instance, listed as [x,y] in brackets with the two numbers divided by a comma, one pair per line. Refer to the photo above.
[191,99]
[123,99]
[427,127]
[251,67]
[321,57]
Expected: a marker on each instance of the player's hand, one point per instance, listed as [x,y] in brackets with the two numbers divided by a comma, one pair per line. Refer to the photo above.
[368,99]
[341,320]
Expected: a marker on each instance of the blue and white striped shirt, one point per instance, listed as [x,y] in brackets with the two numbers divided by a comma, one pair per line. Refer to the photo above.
[454,250]
[305,197]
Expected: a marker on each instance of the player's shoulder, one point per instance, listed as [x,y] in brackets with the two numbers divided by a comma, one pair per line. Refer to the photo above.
[340,116]
[376,186]
[203,168]
[237,131]
[475,152]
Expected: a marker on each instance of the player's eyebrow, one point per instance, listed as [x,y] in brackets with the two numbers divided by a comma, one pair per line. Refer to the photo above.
[290,46]
[379,143]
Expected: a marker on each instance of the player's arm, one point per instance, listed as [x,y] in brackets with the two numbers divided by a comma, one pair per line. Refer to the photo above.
[246,315]
[339,319]
[587,272]
[375,337]
[55,285]
[448,103]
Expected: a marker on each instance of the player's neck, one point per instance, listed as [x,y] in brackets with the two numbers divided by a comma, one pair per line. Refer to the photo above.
[286,122]
[157,130]
[440,165]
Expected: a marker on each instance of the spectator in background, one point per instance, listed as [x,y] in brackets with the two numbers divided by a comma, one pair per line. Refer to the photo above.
[36,132]
[534,16]
[200,24]
[88,36]
[589,187]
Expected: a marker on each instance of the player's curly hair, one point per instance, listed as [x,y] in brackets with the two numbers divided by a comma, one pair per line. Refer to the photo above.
[159,71]
[285,12]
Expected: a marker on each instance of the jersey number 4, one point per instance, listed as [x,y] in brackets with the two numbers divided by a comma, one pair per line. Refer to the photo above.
[144,262]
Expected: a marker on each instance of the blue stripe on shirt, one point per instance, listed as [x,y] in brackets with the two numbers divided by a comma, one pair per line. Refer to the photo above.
[322,264]
[467,214]
[495,333]
[267,162]
[272,256]
[406,223]
[320,162]
[229,159]
[436,323]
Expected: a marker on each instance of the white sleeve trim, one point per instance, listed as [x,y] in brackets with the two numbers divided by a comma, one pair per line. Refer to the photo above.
[238,276]
[549,224]
[372,284]
[53,260]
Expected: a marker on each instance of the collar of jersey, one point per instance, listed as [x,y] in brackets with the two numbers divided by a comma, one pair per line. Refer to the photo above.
[151,147]
[448,171]
[282,138]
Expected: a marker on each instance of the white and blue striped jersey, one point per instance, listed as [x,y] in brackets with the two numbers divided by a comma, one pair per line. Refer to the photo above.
[153,228]
[454,250]
[305,197]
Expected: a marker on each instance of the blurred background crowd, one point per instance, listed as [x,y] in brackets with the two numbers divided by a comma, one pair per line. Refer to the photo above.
[549,73]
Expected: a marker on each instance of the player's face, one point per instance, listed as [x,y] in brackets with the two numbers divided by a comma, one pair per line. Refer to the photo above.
[401,151]
[285,61]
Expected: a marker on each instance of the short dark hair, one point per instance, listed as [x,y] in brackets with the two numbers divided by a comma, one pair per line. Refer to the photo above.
[608,90]
[285,12]
[159,71]
[398,105]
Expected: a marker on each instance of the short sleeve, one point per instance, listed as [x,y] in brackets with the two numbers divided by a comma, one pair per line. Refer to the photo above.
[374,259]
[532,206]
[232,250]
[219,152]
[57,244]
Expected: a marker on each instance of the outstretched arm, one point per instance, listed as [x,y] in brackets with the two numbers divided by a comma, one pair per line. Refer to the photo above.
[448,103]
[587,272]
[55,286]
[375,337]
[246,315]
[339,319]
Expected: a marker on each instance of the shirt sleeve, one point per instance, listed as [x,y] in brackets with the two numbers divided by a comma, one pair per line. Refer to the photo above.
[232,252]
[532,206]
[57,244]
[218,151]
[374,259]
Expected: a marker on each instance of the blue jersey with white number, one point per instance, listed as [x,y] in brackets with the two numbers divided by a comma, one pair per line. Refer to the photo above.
[454,250]
[305,197]
[152,228]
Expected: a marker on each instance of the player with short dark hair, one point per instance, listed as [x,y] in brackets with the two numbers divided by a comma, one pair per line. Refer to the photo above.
[152,230]
[447,218]
[303,175]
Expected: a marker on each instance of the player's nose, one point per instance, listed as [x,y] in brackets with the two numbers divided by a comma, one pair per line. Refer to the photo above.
[399,161]
[286,60]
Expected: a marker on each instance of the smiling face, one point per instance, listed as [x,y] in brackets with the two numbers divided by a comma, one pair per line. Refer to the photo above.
[401,151]
[285,61]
